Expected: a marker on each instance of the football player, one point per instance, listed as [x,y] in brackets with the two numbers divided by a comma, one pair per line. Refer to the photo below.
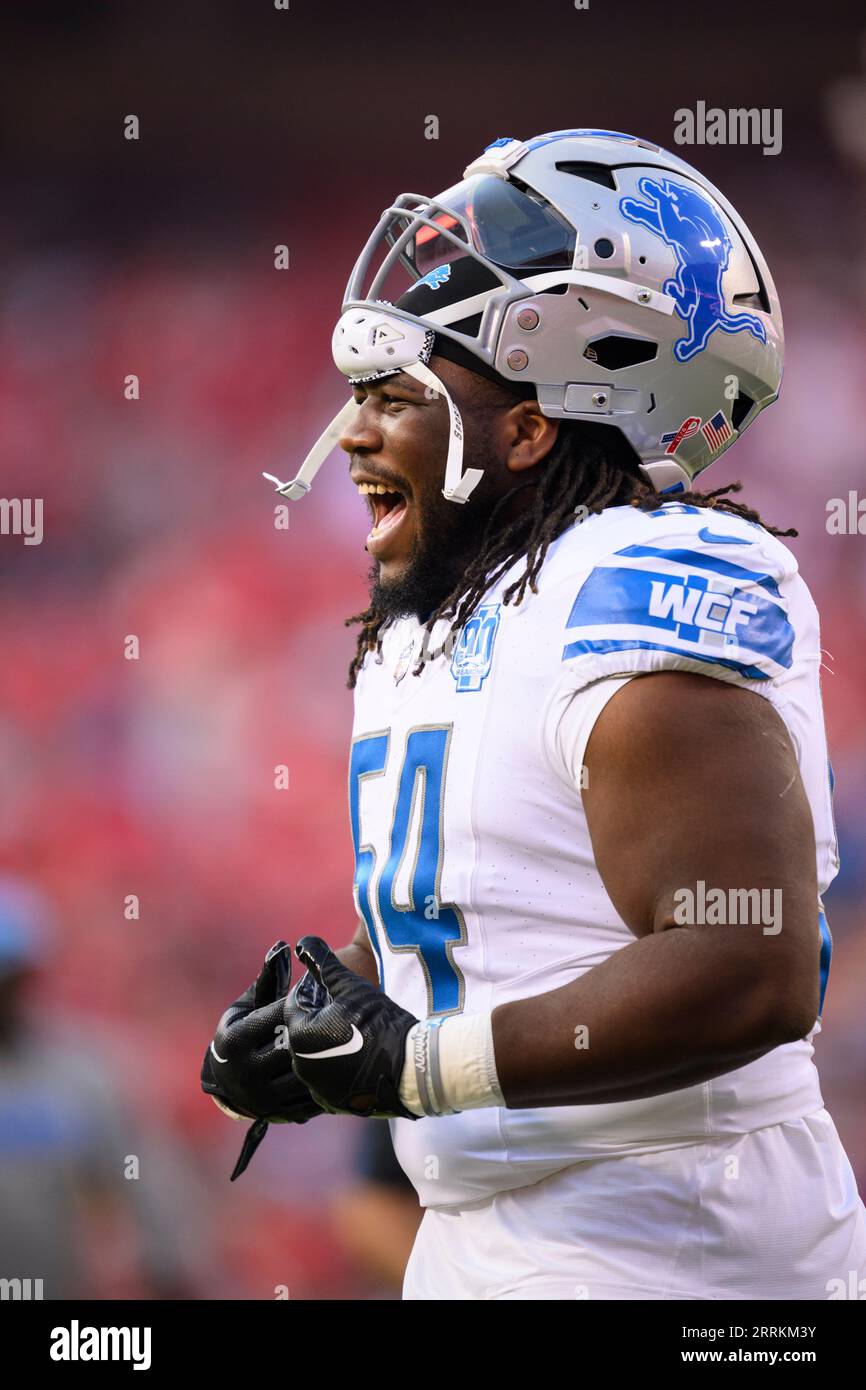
[589,790]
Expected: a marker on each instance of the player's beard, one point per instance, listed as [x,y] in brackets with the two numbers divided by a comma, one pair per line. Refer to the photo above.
[447,539]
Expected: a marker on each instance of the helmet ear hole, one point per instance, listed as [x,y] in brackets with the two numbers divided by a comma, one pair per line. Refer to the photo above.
[616,351]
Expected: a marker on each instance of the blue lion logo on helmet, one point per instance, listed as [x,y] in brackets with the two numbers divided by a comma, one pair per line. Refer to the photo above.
[688,222]
[434,278]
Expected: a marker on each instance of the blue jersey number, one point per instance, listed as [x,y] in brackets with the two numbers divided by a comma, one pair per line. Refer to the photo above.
[422,923]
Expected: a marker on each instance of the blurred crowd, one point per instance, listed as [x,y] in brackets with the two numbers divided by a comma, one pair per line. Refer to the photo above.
[140,776]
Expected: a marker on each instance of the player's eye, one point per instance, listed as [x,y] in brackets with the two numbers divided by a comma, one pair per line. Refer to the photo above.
[385,397]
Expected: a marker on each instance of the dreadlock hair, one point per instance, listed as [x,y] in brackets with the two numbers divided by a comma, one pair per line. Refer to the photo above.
[579,474]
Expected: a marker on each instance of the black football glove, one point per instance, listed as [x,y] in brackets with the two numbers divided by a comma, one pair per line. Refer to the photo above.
[247,1069]
[348,1039]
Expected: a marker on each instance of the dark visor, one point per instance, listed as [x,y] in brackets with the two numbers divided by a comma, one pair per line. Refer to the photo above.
[511,227]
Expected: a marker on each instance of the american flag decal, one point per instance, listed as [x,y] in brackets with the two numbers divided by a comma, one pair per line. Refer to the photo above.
[716,431]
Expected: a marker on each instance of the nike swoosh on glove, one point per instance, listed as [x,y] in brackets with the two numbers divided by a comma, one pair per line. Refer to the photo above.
[348,1039]
[247,1069]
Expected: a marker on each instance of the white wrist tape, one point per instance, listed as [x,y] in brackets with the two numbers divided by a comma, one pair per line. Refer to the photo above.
[450,1066]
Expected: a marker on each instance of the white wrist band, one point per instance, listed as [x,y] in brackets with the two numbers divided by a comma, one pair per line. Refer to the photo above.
[450,1066]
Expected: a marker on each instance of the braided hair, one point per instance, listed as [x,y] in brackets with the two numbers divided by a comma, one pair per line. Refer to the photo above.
[579,474]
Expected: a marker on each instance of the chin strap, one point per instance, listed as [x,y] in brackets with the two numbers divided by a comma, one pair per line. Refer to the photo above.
[326,442]
[458,485]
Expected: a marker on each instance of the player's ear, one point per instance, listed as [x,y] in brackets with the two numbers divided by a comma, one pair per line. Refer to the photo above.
[531,435]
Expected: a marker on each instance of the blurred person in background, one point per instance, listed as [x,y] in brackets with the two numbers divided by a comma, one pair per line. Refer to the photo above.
[378,1217]
[73,1221]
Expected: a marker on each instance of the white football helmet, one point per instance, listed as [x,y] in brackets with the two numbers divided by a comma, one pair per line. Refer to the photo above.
[589,269]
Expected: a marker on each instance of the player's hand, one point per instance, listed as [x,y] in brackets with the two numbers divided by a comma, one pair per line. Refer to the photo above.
[348,1039]
[247,1069]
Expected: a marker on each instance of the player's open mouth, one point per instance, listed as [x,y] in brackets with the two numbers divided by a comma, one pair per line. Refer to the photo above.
[388,508]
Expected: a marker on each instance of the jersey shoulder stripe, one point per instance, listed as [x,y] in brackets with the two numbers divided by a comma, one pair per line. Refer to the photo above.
[669,594]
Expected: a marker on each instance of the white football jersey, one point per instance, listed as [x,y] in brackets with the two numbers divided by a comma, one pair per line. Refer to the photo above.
[474,868]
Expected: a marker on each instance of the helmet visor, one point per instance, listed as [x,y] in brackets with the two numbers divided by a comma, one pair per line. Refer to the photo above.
[482,219]
[511,226]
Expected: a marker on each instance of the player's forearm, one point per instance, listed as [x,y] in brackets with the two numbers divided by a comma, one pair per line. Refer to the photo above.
[360,958]
[665,1012]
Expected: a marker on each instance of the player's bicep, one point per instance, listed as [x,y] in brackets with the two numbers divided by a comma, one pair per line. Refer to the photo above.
[692,781]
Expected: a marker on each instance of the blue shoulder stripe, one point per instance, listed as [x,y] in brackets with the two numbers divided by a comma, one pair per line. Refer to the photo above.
[696,559]
[600,646]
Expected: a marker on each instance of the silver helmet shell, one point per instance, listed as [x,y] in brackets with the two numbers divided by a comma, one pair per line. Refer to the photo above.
[600,268]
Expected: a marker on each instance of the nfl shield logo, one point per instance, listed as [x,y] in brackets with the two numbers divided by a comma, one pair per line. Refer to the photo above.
[473,653]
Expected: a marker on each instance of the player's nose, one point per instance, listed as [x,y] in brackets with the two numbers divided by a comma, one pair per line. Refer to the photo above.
[360,435]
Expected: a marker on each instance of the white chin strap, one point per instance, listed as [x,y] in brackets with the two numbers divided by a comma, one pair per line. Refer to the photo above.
[365,339]
[458,485]
[324,445]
